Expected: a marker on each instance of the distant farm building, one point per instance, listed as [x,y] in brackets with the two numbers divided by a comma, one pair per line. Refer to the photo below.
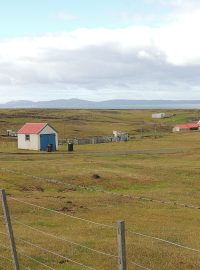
[186,127]
[158,115]
[11,133]
[37,136]
[120,136]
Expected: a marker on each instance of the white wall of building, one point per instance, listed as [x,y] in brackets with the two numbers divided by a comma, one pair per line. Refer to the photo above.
[176,129]
[32,144]
[158,115]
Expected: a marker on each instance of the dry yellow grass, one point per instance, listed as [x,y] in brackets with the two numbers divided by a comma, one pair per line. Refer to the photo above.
[164,175]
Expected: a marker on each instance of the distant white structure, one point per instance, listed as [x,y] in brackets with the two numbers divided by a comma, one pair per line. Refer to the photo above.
[11,133]
[37,136]
[158,115]
[120,135]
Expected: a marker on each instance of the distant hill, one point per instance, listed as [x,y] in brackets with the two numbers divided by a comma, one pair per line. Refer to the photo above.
[108,104]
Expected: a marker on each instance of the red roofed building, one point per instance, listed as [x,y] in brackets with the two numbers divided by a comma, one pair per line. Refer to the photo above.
[37,136]
[190,126]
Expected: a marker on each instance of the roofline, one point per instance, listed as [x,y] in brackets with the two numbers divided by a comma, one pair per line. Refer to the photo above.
[188,125]
[45,124]
[49,126]
[41,128]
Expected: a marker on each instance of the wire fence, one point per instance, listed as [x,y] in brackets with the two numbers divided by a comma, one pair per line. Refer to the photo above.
[39,232]
[60,238]
[50,250]
[53,252]
[100,224]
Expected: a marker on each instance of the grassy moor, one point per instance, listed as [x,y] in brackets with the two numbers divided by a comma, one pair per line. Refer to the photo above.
[65,205]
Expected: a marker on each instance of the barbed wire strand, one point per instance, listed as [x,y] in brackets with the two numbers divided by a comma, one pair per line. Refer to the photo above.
[133,232]
[59,238]
[5,258]
[4,246]
[55,253]
[3,233]
[52,252]
[65,240]
[35,260]
[103,253]
[2,257]
[64,214]
[144,235]
[55,181]
[138,265]
[164,241]
[75,262]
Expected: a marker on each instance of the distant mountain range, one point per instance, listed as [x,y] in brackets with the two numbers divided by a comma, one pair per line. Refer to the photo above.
[108,104]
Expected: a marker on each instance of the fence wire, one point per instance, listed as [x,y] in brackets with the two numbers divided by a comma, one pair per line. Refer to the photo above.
[65,240]
[90,222]
[38,247]
[141,198]
[55,254]
[109,226]
[64,214]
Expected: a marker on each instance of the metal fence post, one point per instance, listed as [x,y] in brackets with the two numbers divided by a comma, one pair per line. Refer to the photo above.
[9,229]
[121,244]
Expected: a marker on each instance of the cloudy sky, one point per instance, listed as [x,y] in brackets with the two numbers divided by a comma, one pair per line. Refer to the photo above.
[99,49]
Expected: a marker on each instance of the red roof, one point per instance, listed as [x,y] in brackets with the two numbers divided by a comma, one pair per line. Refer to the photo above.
[188,126]
[32,128]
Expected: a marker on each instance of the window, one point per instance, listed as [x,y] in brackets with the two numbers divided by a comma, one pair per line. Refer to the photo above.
[27,137]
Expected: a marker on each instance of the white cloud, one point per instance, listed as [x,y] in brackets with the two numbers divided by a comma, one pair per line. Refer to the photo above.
[132,62]
[180,40]
[178,4]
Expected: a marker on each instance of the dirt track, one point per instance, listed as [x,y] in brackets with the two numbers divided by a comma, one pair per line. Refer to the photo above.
[129,152]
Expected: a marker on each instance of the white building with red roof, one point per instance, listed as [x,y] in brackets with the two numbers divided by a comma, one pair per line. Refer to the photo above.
[185,127]
[37,136]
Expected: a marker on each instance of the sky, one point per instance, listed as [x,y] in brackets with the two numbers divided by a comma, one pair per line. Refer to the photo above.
[99,50]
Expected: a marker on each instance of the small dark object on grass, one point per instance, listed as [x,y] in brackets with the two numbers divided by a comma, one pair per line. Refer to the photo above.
[32,188]
[96,176]
[63,261]
[66,209]
[67,189]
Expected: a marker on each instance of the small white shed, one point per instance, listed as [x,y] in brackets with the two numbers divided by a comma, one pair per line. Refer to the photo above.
[37,136]
[158,115]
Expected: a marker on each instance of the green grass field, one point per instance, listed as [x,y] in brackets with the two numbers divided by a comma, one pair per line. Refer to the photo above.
[144,181]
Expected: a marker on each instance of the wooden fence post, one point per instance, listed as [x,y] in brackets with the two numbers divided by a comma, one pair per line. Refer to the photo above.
[9,229]
[121,244]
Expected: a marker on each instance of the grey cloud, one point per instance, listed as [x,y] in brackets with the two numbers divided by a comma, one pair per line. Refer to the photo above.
[100,67]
